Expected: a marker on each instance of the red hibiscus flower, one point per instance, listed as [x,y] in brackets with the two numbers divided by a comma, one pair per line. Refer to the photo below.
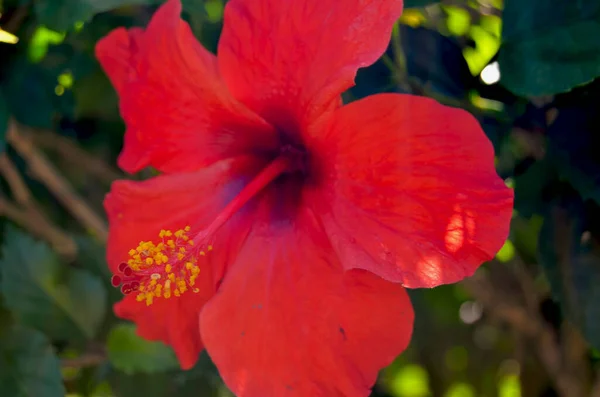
[284,226]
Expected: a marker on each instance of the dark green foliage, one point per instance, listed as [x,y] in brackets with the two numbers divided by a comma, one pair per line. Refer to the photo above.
[549,46]
[4,116]
[66,304]
[571,259]
[28,365]
[419,3]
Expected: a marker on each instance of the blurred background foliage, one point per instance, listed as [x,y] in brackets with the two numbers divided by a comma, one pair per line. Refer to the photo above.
[528,323]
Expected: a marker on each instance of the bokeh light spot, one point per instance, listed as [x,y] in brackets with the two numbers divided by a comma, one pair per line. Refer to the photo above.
[470,312]
[460,390]
[411,381]
[509,386]
[491,73]
[507,252]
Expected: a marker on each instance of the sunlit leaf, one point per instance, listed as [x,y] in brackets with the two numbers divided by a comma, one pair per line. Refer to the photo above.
[44,293]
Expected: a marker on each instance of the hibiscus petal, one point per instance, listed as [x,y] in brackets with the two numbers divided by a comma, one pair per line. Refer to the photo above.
[137,211]
[413,193]
[290,60]
[178,112]
[288,321]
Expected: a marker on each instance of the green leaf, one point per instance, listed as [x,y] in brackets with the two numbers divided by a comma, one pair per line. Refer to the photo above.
[203,376]
[92,257]
[572,265]
[28,365]
[549,46]
[419,3]
[130,353]
[62,301]
[62,15]
[4,115]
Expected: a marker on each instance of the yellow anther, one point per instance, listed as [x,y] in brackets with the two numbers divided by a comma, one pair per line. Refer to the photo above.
[166,268]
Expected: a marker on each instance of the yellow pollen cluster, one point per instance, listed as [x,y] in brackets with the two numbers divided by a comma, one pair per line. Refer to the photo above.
[166,269]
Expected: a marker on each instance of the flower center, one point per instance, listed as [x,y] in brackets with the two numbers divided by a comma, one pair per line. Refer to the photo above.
[166,269]
[169,267]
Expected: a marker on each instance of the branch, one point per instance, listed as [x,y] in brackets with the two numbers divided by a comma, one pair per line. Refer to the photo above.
[596,387]
[39,227]
[67,149]
[532,326]
[17,185]
[83,361]
[45,172]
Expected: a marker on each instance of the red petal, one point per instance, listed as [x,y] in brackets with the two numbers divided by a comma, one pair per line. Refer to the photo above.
[137,211]
[179,114]
[413,195]
[290,60]
[288,321]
